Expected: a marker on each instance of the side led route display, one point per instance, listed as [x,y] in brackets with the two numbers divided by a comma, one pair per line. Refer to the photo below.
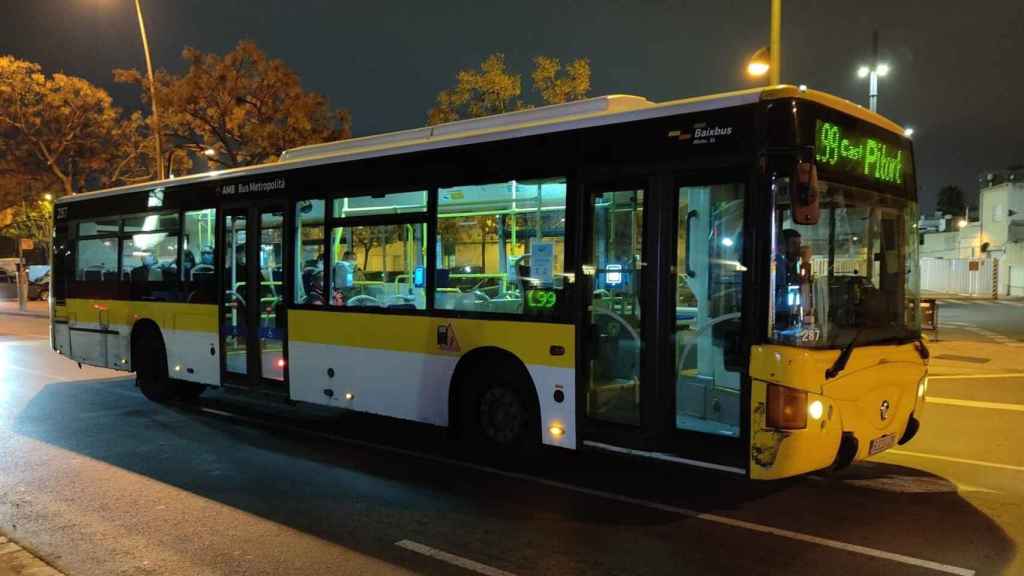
[846,151]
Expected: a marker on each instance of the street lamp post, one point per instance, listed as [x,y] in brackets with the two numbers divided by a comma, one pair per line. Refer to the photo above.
[152,95]
[873,73]
[768,60]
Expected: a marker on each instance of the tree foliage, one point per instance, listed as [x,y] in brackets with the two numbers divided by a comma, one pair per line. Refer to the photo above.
[243,106]
[557,85]
[65,133]
[951,200]
[493,89]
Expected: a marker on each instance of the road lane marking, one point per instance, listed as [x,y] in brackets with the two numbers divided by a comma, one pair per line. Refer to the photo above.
[974,404]
[714,518]
[960,460]
[974,376]
[459,561]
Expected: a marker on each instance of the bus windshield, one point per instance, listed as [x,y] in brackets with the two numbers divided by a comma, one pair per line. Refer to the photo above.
[852,275]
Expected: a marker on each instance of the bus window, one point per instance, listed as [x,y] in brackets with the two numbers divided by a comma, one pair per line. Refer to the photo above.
[99,227]
[96,260]
[150,262]
[501,247]
[376,266]
[309,252]
[197,258]
[397,203]
[150,222]
[709,284]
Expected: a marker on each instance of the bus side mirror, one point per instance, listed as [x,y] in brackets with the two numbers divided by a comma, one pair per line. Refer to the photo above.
[806,206]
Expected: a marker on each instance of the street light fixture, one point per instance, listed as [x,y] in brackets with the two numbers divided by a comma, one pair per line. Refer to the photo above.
[873,73]
[760,63]
[908,131]
[961,224]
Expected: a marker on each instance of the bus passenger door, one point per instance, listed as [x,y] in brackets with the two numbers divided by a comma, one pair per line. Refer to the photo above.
[706,356]
[234,318]
[254,295]
[614,316]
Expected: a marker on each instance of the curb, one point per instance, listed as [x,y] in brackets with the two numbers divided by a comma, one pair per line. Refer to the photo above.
[16,561]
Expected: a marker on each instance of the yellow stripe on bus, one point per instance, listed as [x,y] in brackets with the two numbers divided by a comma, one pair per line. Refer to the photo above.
[167,315]
[532,342]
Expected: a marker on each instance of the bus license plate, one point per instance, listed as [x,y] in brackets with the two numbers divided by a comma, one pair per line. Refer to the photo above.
[881,443]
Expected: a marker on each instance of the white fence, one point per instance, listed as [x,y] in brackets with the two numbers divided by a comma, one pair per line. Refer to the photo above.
[976,277]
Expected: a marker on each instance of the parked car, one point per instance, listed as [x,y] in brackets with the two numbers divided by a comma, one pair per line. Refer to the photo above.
[39,289]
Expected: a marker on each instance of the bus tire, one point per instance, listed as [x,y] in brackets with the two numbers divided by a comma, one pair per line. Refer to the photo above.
[149,358]
[496,409]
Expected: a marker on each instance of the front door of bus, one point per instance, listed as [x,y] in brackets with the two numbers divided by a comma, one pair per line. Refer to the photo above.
[614,315]
[254,292]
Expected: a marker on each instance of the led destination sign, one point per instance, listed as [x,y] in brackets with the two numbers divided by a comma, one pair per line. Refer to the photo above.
[847,151]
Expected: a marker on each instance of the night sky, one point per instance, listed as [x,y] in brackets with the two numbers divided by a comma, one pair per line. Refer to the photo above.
[957,74]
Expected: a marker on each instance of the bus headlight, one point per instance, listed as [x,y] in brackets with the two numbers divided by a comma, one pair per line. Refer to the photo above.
[816,409]
[787,408]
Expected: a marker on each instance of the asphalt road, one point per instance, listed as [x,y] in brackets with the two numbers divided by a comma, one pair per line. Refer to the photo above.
[97,480]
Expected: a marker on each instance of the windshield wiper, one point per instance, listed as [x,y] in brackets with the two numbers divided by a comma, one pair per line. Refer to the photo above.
[844,356]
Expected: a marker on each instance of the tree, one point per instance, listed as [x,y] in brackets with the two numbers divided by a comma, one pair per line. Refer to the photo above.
[239,109]
[65,133]
[489,90]
[951,200]
[493,89]
[556,88]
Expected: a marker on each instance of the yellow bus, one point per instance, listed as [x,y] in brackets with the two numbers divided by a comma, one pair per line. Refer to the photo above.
[728,282]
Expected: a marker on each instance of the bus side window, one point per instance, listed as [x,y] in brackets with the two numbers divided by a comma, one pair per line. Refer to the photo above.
[198,275]
[500,247]
[308,284]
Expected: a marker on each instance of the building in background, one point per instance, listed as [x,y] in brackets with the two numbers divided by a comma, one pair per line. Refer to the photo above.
[986,254]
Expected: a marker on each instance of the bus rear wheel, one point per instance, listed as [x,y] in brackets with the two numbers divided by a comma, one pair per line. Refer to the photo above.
[150,359]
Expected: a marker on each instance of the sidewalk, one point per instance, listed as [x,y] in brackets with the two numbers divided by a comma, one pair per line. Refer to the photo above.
[34,308]
[16,561]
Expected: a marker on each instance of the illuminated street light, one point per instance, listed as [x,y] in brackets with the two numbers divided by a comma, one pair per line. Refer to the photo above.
[210,152]
[873,73]
[48,197]
[908,132]
[760,63]
[961,224]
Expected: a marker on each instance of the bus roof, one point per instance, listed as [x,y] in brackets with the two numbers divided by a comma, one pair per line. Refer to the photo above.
[601,110]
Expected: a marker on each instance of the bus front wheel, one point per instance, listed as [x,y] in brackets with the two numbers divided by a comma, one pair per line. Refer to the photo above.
[150,359]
